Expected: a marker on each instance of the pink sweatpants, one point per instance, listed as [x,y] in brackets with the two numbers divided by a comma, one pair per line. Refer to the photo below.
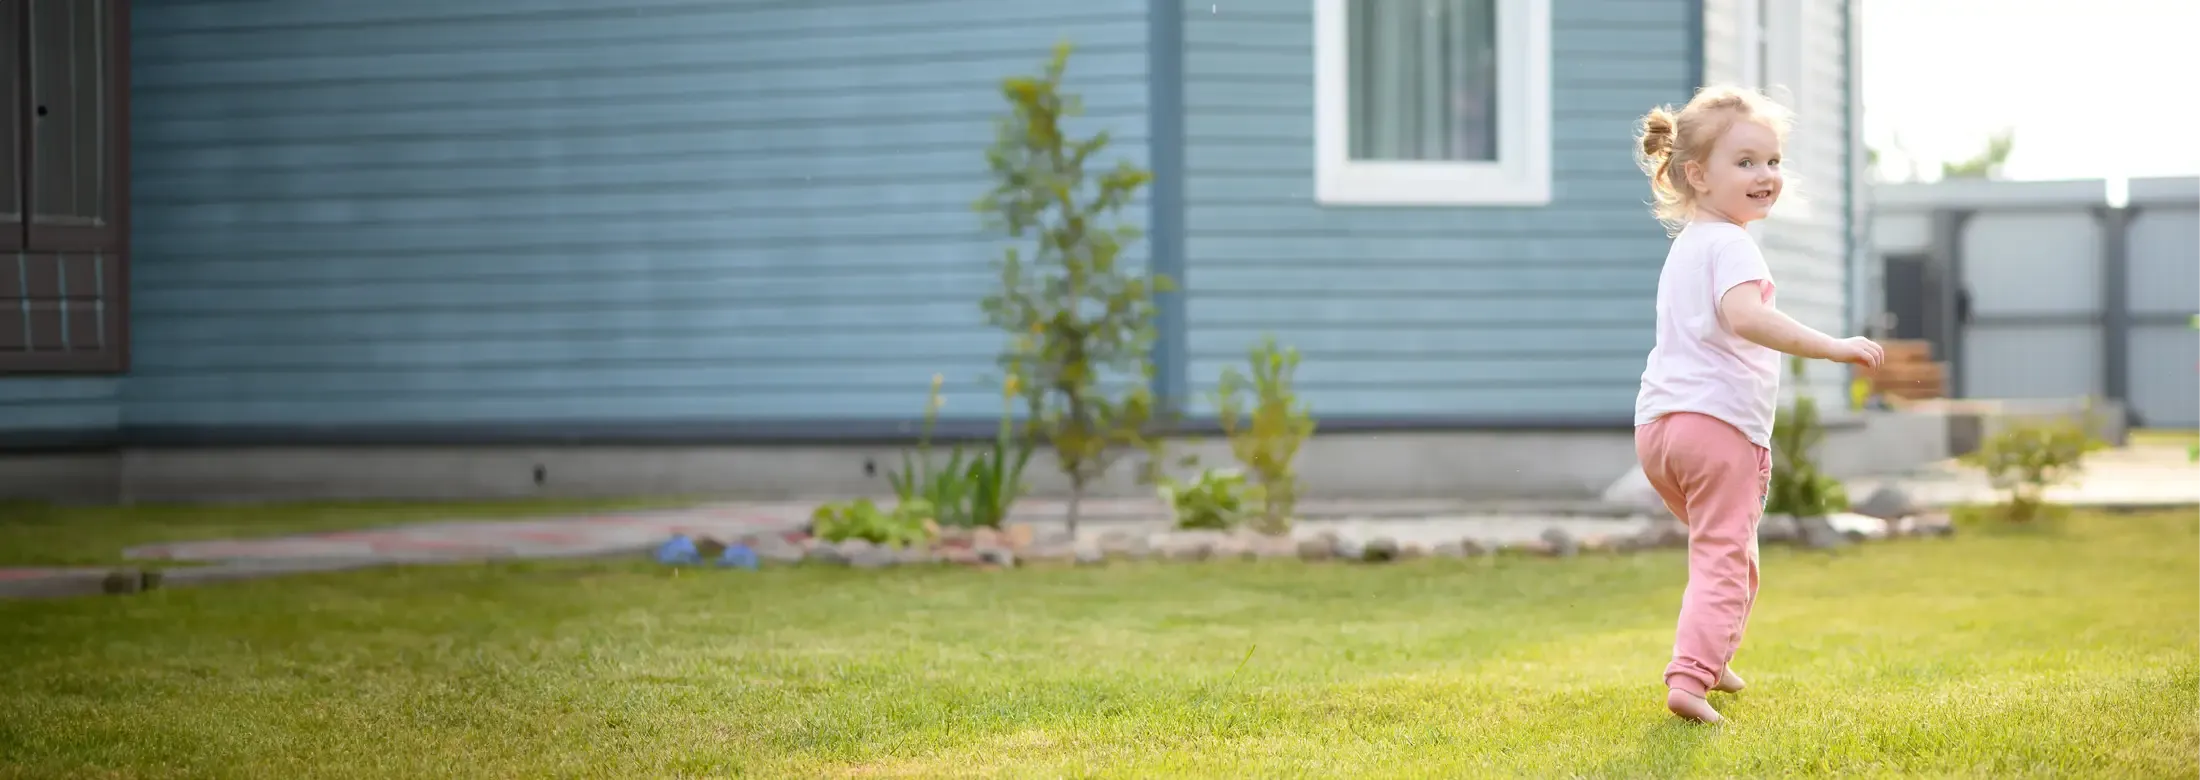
[1716,481]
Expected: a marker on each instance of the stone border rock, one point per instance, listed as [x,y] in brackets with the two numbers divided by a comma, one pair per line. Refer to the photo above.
[1887,513]
[1019,544]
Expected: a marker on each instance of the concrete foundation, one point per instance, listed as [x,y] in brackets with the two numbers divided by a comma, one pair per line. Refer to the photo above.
[1477,466]
[62,478]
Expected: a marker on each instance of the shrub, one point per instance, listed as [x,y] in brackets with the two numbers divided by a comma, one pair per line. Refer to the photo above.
[1214,499]
[1266,437]
[2027,456]
[1798,488]
[1075,314]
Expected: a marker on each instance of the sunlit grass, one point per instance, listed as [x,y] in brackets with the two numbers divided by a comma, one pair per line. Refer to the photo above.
[2064,652]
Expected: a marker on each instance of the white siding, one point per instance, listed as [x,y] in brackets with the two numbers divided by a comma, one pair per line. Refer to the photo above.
[1807,70]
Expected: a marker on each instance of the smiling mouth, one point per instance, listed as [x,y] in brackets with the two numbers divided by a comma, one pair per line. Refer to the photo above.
[1761,197]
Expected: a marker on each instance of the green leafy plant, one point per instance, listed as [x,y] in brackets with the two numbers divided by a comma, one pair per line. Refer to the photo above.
[1266,436]
[946,488]
[1080,321]
[2028,456]
[973,488]
[1213,499]
[1798,488]
[908,523]
[996,474]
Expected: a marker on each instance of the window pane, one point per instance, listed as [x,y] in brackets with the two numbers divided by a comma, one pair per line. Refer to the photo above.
[11,121]
[1422,80]
[68,112]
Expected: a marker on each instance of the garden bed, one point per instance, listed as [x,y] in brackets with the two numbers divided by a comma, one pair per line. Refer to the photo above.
[1366,540]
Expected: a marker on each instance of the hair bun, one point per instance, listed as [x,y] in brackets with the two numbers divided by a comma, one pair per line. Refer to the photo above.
[1657,134]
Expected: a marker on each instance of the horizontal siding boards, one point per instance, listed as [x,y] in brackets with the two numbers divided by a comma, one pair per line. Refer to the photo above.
[1529,314]
[1807,246]
[1541,402]
[514,378]
[766,209]
[585,211]
[31,405]
[181,32]
[1804,242]
[51,304]
[1722,40]
[813,171]
[736,112]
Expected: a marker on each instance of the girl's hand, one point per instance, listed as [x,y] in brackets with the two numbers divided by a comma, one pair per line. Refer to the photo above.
[1858,350]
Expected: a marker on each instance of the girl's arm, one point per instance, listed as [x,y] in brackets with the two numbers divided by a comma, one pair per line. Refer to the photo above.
[1750,317]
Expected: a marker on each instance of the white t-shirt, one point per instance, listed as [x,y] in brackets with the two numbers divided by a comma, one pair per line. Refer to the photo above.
[1698,364]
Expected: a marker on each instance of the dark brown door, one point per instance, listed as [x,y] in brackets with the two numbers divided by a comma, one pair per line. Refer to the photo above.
[66,206]
[14,156]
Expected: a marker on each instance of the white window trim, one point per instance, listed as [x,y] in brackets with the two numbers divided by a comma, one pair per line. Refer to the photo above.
[1521,175]
[1781,73]
[1752,69]
[1779,76]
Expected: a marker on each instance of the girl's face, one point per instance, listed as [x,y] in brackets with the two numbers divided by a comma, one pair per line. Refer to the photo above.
[1740,180]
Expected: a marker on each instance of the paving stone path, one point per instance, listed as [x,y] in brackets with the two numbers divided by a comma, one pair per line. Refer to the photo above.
[563,537]
[2129,477]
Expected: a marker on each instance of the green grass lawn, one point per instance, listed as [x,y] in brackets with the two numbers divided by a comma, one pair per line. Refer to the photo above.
[50,535]
[2069,652]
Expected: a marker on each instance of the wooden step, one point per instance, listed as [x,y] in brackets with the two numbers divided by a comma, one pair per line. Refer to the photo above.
[1905,372]
[1908,380]
[1907,350]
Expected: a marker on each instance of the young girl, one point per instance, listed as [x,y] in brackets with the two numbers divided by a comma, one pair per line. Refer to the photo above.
[1703,420]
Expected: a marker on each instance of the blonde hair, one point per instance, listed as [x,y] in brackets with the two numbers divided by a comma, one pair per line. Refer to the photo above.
[1671,140]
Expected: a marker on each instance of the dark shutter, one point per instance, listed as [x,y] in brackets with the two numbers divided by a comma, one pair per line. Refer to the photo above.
[64,286]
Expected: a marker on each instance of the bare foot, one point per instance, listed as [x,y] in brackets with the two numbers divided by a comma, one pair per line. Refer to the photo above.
[1728,683]
[1690,706]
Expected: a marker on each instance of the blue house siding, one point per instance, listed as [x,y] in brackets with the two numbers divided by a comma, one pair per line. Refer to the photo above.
[548,211]
[572,217]
[1475,314]
[45,410]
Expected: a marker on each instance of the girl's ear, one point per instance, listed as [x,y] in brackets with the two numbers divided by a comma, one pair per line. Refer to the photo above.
[1693,171]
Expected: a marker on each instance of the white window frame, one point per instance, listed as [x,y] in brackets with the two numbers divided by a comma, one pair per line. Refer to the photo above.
[1778,73]
[1750,44]
[1521,174]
